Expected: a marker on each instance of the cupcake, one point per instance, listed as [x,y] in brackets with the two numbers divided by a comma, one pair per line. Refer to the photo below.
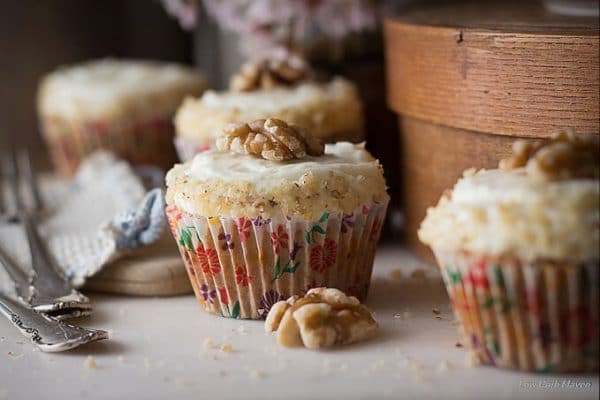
[125,106]
[272,213]
[518,248]
[331,111]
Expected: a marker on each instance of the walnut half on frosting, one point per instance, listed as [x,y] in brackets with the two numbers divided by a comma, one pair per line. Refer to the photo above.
[323,318]
[271,139]
[267,74]
[564,156]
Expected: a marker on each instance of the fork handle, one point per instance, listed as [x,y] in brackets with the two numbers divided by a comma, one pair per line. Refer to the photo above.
[47,333]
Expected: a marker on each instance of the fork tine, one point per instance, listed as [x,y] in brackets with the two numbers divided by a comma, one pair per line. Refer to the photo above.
[9,170]
[27,170]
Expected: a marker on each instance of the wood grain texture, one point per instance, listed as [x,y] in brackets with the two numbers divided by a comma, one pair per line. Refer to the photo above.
[433,158]
[515,79]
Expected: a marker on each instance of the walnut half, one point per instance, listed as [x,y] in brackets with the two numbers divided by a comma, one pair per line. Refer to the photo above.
[271,139]
[323,318]
[267,74]
[564,156]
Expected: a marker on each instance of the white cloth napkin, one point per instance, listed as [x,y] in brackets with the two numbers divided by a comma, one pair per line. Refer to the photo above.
[91,221]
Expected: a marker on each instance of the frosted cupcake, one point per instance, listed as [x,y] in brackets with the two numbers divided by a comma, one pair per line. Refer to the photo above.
[125,106]
[519,251]
[266,88]
[272,214]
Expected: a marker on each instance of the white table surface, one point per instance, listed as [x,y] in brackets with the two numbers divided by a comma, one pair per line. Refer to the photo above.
[156,352]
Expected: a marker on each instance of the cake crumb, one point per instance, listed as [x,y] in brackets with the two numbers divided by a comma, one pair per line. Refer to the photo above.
[436,311]
[208,343]
[15,356]
[444,366]
[406,315]
[458,344]
[396,274]
[121,359]
[472,360]
[226,348]
[418,273]
[90,362]
[257,374]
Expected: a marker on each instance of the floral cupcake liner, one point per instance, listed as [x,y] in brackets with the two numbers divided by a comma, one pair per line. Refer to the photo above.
[240,267]
[140,141]
[540,316]
[187,149]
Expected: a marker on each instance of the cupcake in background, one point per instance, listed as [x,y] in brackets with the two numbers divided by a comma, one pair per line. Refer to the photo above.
[125,106]
[273,213]
[519,252]
[277,88]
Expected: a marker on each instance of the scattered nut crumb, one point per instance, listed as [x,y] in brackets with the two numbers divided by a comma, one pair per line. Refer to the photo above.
[208,343]
[418,274]
[90,362]
[471,359]
[439,317]
[19,342]
[436,311]
[458,344]
[397,315]
[455,322]
[396,274]
[226,348]
[15,356]
[121,359]
[406,315]
[257,374]
[444,366]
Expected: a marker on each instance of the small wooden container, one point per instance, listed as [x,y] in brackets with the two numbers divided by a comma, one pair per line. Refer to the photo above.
[468,79]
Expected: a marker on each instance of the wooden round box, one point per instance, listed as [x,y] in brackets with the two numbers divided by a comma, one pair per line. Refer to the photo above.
[468,79]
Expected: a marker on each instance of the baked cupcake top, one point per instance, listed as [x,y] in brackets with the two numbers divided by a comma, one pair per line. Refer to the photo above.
[328,110]
[110,88]
[257,173]
[543,204]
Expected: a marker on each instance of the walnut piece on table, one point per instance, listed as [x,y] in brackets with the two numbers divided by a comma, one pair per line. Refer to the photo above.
[271,139]
[564,156]
[323,318]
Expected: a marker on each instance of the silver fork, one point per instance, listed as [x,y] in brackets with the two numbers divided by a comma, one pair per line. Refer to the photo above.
[47,333]
[46,290]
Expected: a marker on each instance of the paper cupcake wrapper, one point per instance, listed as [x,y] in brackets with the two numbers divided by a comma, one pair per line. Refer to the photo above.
[187,149]
[540,316]
[240,267]
[140,141]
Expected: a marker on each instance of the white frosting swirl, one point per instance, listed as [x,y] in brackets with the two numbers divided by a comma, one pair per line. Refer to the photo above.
[216,183]
[506,213]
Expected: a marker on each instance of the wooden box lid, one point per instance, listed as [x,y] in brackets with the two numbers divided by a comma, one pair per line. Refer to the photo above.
[502,67]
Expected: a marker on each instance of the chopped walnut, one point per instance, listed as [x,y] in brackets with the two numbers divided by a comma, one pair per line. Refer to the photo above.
[268,73]
[324,317]
[271,139]
[564,156]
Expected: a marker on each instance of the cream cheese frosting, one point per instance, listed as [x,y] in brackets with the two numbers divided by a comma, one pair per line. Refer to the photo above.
[225,184]
[331,110]
[506,213]
[108,87]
